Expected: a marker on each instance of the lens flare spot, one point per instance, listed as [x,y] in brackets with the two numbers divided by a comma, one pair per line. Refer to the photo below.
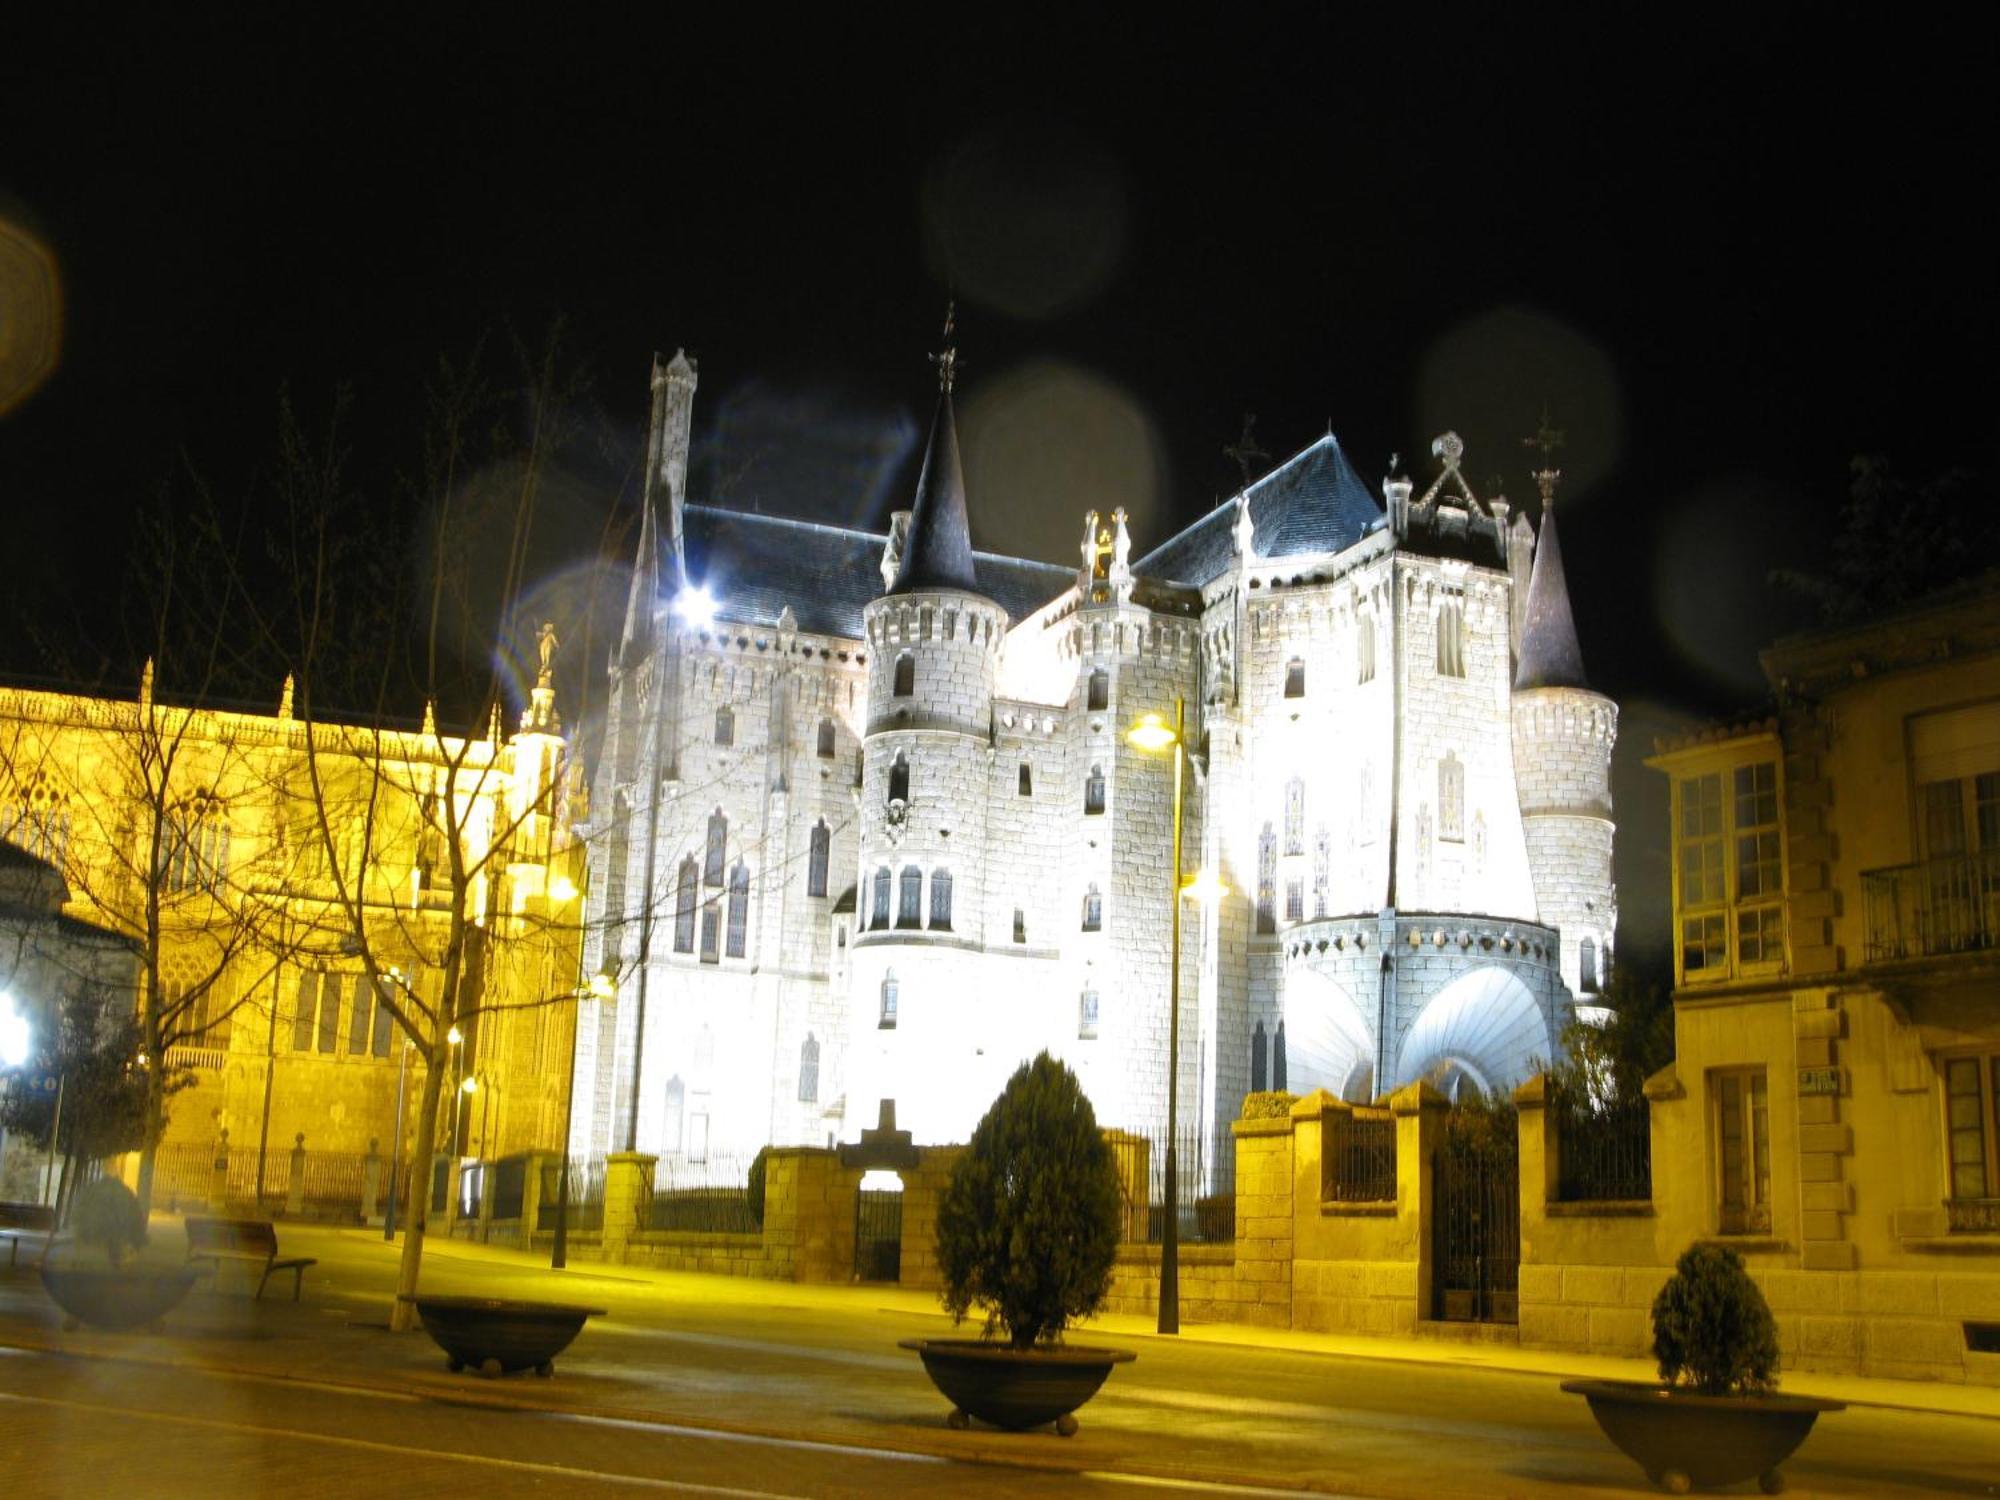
[30,309]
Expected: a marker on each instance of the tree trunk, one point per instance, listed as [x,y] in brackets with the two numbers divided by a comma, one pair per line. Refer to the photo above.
[417,1200]
[149,1148]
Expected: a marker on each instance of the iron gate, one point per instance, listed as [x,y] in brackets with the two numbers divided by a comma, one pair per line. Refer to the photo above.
[878,1235]
[1476,1223]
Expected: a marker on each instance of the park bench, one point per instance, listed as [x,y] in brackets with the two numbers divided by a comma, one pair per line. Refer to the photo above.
[254,1242]
[20,1219]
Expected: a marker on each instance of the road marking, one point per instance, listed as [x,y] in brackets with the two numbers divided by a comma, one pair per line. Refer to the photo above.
[482,1460]
[1204,1486]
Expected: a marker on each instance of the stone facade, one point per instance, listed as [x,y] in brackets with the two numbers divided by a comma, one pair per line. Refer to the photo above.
[940,853]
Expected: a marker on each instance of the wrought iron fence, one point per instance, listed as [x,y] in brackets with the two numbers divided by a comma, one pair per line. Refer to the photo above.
[1604,1148]
[1973,1215]
[1948,905]
[586,1194]
[1206,1173]
[183,1172]
[333,1179]
[1358,1157]
[707,1197]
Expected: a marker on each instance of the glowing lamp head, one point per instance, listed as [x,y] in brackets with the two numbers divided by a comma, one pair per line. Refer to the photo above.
[562,890]
[14,1038]
[470,1086]
[1152,734]
[454,1036]
[604,986]
[1205,886]
[695,605]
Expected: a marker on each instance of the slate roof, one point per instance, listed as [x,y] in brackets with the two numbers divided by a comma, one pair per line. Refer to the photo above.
[1550,655]
[938,551]
[1312,503]
[755,565]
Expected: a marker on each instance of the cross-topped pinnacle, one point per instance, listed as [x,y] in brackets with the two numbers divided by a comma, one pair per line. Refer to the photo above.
[946,359]
[1546,440]
[1245,450]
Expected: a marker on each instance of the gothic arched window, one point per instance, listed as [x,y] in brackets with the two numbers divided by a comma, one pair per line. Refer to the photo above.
[739,910]
[38,820]
[1093,792]
[718,840]
[906,675]
[816,858]
[725,726]
[1451,798]
[1295,816]
[687,896]
[1086,1014]
[941,900]
[1267,880]
[1322,870]
[1098,694]
[1364,649]
[887,1021]
[1257,1075]
[899,779]
[196,844]
[879,912]
[1278,1058]
[1093,910]
[1586,966]
[809,1070]
[1295,678]
[1451,639]
[826,739]
[910,900]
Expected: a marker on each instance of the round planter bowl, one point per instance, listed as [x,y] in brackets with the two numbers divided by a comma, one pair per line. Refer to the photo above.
[1016,1388]
[496,1336]
[1682,1439]
[116,1300]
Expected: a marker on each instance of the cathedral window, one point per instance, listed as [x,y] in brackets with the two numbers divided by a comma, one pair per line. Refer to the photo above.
[39,820]
[1295,901]
[906,675]
[910,902]
[718,839]
[1267,881]
[1020,925]
[887,1019]
[1278,1079]
[1451,799]
[1295,816]
[1586,967]
[1086,1015]
[1295,678]
[1364,649]
[1093,910]
[1099,694]
[725,726]
[1258,1077]
[941,901]
[879,917]
[816,859]
[739,909]
[899,779]
[1026,784]
[711,933]
[1093,792]
[809,1070]
[196,852]
[687,898]
[826,739]
[1451,639]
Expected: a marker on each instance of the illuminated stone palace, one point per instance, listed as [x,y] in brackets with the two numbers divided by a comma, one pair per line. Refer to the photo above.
[871,827]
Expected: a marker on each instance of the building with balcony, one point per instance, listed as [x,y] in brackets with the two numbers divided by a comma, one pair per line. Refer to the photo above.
[1836,891]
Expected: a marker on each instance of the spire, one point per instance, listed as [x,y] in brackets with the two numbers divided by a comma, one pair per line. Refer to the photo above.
[938,551]
[645,590]
[1550,656]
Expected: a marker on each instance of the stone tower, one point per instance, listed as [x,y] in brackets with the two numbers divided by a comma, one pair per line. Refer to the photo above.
[1563,735]
[933,642]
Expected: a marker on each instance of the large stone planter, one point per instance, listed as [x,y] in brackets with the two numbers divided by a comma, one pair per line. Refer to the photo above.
[1681,1439]
[1015,1388]
[115,1300]
[496,1336]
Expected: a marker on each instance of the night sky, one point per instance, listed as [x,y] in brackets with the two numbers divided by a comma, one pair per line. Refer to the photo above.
[1728,258]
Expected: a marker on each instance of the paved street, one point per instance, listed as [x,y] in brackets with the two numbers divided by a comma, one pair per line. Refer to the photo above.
[719,1386]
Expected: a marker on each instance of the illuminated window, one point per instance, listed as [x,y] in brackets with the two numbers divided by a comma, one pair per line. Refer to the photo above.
[941,901]
[1267,881]
[887,1018]
[1086,1018]
[1972,1125]
[1364,649]
[910,904]
[826,745]
[1295,816]
[305,1010]
[1295,678]
[809,1070]
[1729,868]
[1099,691]
[38,820]
[906,675]
[899,779]
[816,859]
[879,913]
[711,933]
[195,845]
[725,726]
[1093,792]
[739,910]
[718,839]
[1451,799]
[1451,641]
[1093,910]
[1295,901]
[1322,870]
[1742,1150]
[687,900]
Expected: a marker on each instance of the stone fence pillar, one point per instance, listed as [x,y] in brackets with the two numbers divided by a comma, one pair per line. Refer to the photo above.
[628,1195]
[1420,1110]
[371,1183]
[218,1183]
[531,1192]
[1266,1197]
[295,1192]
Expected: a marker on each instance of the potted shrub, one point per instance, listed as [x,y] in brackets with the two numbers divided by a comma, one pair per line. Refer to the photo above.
[1715,1417]
[1026,1234]
[106,1217]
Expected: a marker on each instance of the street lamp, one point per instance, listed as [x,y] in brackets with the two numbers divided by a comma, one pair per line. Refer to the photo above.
[1153,734]
[602,986]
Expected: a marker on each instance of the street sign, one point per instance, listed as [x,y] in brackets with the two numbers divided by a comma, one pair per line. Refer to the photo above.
[1819,1080]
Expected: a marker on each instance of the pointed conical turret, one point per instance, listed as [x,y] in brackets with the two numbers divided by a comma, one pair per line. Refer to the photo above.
[937,554]
[1550,656]
[645,589]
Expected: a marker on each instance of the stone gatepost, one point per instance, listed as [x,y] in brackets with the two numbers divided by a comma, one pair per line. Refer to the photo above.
[1420,1110]
[823,1249]
[923,1186]
[1265,1182]
[295,1192]
[628,1195]
[531,1192]
[218,1180]
[371,1183]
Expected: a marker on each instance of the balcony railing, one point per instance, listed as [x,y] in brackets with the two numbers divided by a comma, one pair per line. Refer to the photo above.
[1973,1215]
[1942,906]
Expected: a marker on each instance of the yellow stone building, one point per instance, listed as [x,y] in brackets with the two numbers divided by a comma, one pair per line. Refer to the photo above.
[246,849]
[1836,890]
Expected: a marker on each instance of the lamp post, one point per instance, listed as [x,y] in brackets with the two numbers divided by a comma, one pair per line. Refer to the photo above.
[1153,734]
[603,987]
